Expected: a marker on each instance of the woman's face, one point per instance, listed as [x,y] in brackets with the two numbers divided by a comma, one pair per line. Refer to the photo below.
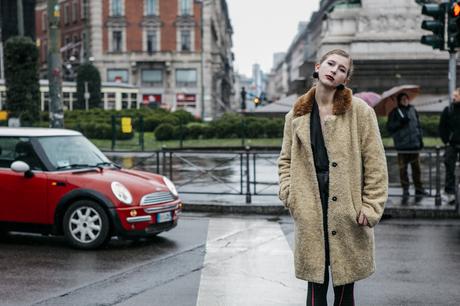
[333,71]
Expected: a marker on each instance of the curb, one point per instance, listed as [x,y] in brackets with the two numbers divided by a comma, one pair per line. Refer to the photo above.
[421,213]
[276,209]
[226,208]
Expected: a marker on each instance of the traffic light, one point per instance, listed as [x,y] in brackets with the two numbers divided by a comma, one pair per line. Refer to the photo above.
[437,25]
[453,27]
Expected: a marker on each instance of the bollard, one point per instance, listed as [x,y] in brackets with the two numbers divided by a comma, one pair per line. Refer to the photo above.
[241,173]
[457,186]
[114,135]
[163,160]
[437,201]
[248,179]
[158,161]
[254,172]
[170,166]
[141,132]
[181,132]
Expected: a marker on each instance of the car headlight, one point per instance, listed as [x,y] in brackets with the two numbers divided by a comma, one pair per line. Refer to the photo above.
[171,186]
[122,193]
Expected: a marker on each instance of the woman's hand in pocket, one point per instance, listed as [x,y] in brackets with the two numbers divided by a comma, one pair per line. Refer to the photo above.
[362,219]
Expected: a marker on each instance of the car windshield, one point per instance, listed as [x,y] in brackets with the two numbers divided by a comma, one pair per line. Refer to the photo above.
[66,152]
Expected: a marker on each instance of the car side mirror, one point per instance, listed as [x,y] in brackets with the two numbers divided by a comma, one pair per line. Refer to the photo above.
[21,167]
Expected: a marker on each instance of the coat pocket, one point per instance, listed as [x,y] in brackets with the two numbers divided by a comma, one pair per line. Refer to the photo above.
[288,198]
[357,205]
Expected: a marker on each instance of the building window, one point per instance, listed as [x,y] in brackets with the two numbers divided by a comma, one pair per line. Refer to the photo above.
[152,41]
[45,51]
[152,77]
[83,42]
[117,9]
[117,75]
[76,46]
[68,47]
[44,22]
[151,8]
[185,7]
[185,40]
[186,77]
[117,41]
[84,9]
[66,13]
[74,11]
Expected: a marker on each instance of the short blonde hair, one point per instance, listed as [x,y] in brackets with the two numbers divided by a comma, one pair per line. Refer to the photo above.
[341,53]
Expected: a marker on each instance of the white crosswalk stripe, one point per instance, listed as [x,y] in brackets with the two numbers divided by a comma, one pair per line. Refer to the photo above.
[248,262]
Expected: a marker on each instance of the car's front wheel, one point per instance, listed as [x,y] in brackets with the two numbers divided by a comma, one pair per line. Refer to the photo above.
[3,234]
[86,225]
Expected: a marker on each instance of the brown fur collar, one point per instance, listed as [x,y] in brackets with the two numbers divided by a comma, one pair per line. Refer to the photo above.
[342,102]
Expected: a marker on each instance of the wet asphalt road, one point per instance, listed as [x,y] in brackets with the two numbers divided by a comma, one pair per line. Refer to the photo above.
[418,263]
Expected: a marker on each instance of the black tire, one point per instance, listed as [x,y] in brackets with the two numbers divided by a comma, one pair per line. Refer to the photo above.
[86,225]
[3,234]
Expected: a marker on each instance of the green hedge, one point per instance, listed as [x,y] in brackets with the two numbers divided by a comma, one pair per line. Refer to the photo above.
[228,126]
[164,131]
[96,123]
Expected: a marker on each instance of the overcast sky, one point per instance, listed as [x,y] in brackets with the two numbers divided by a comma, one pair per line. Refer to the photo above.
[263,27]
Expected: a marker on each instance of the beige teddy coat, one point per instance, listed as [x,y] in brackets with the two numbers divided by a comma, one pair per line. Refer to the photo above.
[358,181]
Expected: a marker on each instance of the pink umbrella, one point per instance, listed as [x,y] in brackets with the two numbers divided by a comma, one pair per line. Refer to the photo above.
[388,102]
[370,97]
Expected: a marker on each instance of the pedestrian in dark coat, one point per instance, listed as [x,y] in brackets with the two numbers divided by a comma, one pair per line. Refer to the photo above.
[333,179]
[449,130]
[404,126]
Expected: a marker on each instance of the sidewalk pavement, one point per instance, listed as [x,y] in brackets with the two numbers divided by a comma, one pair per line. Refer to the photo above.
[271,205]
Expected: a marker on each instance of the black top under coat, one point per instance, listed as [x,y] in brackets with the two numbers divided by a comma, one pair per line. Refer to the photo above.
[317,141]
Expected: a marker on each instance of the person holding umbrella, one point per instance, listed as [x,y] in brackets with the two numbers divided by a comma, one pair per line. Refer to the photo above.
[404,126]
[449,129]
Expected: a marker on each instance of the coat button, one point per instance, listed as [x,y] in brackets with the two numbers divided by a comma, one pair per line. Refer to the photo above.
[334,233]
[334,164]
[334,199]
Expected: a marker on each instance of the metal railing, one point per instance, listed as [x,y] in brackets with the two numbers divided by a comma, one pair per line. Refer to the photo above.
[253,172]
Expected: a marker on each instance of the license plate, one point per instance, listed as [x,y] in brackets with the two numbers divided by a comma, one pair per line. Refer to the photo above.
[164,217]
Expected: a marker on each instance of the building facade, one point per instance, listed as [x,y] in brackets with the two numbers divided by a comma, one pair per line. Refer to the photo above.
[383,38]
[177,52]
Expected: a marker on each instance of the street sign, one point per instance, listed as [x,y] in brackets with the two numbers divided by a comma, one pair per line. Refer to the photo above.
[126,126]
[3,116]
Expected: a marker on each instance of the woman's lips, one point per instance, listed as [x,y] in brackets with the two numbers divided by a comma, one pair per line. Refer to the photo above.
[329,78]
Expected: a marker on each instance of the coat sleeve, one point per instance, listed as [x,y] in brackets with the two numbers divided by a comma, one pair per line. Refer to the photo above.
[284,161]
[444,126]
[375,174]
[419,127]
[394,122]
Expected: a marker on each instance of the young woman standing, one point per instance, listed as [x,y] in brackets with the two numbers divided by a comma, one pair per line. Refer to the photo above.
[333,179]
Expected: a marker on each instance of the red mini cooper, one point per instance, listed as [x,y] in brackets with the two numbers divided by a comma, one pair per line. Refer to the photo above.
[55,181]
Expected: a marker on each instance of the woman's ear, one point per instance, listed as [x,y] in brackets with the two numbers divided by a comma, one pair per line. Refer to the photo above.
[317,67]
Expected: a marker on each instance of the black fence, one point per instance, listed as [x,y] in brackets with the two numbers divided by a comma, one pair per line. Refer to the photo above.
[250,172]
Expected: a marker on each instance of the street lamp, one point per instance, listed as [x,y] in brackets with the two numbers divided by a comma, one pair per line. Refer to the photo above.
[202,59]
[202,4]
